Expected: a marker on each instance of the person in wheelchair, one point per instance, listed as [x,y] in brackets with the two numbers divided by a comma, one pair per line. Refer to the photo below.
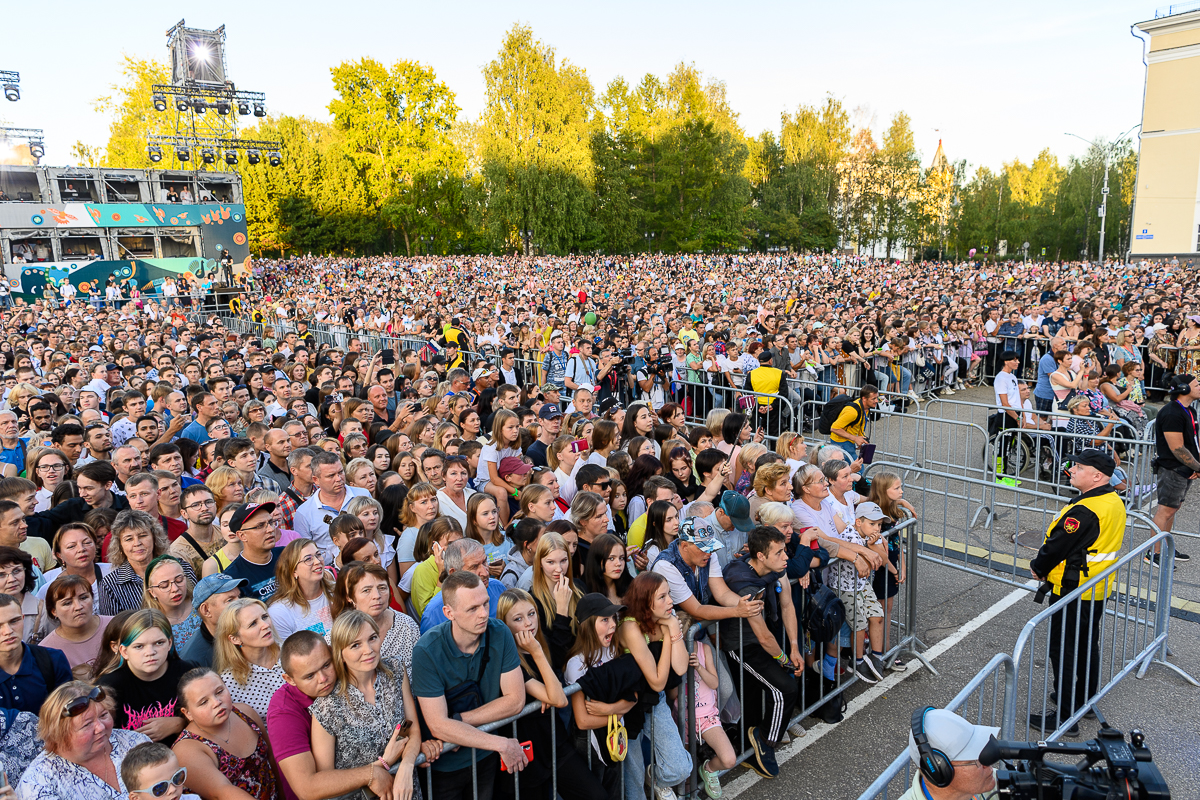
[1090,430]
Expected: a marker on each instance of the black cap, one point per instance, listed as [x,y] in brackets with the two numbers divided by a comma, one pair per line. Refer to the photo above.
[607,404]
[1098,459]
[1179,384]
[245,511]
[596,605]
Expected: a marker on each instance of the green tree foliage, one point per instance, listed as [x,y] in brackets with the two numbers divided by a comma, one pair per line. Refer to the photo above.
[661,162]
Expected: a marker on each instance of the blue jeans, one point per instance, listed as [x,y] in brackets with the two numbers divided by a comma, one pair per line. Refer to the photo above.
[1043,403]
[851,450]
[905,379]
[672,762]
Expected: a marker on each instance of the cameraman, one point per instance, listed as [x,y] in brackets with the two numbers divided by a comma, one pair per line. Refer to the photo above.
[653,380]
[1083,540]
[959,742]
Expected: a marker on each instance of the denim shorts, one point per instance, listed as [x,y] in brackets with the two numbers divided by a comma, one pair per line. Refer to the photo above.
[1172,488]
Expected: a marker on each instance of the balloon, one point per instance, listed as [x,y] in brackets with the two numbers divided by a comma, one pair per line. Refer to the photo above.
[589,318]
[971,252]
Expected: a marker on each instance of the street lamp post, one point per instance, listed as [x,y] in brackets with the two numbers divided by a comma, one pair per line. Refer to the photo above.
[1108,150]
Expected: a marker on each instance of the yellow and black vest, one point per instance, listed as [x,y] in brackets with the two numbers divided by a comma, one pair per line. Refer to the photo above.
[1095,523]
[766,380]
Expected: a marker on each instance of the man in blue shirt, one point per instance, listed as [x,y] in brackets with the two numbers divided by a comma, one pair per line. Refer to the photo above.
[207,408]
[464,555]
[1043,390]
[28,673]
[254,525]
[472,646]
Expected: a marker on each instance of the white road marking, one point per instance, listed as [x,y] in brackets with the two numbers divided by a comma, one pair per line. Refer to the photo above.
[750,777]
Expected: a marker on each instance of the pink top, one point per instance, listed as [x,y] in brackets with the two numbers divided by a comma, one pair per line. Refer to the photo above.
[77,653]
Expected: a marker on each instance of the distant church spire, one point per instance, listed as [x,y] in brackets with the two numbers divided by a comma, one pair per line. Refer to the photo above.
[939,158]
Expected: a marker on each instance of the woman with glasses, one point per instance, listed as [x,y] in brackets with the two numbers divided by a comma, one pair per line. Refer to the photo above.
[814,509]
[365,587]
[83,753]
[17,581]
[304,597]
[48,469]
[145,677]
[167,590]
[137,539]
[218,730]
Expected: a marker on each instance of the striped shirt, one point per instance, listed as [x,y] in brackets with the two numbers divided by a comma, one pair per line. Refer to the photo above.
[121,589]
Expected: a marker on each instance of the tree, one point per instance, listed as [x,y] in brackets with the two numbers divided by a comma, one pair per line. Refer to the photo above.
[899,172]
[395,126]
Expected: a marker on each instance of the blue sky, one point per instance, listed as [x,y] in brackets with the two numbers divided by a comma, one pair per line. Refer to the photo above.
[995,81]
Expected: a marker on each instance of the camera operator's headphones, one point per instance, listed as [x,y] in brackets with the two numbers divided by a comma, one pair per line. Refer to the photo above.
[934,764]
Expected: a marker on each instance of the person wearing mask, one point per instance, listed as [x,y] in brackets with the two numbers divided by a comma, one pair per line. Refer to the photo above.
[209,598]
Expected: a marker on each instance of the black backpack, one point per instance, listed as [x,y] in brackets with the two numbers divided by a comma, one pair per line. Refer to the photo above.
[824,614]
[833,410]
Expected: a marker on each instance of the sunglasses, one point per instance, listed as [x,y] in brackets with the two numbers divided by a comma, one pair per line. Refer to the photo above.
[80,704]
[162,787]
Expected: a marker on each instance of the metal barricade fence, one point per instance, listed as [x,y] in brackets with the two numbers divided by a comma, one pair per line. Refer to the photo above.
[985,700]
[812,688]
[1073,653]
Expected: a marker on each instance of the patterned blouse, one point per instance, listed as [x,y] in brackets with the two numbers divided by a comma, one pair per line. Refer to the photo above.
[258,690]
[19,742]
[361,729]
[52,777]
[252,774]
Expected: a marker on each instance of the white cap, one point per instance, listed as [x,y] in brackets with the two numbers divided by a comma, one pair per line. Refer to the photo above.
[479,373]
[949,733]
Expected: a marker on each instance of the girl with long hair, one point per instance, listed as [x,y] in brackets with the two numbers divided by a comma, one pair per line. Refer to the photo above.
[145,675]
[506,442]
[304,597]
[605,571]
[420,506]
[246,653]
[888,491]
[483,525]
[555,593]
[167,590]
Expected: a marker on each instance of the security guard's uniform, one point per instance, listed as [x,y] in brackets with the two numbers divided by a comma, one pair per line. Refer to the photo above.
[1082,541]
[766,380]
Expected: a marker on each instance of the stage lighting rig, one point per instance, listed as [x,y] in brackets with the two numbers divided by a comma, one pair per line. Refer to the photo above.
[231,156]
[274,159]
[155,152]
[183,153]
[33,137]
[253,156]
[12,84]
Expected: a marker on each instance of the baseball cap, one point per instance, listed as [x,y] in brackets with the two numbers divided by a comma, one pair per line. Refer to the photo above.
[511,465]
[479,373]
[868,510]
[550,411]
[596,605]
[607,404]
[113,368]
[217,583]
[95,349]
[679,346]
[438,359]
[1096,458]
[737,508]
[698,532]
[245,511]
[952,735]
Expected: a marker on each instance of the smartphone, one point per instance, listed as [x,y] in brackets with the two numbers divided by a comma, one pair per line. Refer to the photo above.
[758,595]
[527,748]
[338,397]
[867,453]
[389,357]
[579,445]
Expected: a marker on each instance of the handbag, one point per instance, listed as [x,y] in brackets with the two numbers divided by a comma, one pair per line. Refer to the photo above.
[468,695]
[824,614]
[617,740]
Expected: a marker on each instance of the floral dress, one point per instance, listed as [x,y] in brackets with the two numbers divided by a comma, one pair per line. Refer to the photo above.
[361,729]
[252,774]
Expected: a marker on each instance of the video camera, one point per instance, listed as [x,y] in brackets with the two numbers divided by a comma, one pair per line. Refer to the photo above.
[1130,771]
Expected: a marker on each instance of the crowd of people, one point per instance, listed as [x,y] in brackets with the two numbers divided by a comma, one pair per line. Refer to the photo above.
[264,564]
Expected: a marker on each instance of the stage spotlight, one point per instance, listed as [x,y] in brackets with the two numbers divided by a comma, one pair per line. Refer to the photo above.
[182,153]
[160,102]
[36,150]
[274,159]
[223,107]
[200,105]
[253,156]
[243,108]
[231,157]
[181,103]
[11,92]
[156,153]
[208,155]
[260,110]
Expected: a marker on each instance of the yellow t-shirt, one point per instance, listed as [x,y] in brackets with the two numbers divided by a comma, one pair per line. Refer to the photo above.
[849,412]
[43,556]
[636,536]
[424,584]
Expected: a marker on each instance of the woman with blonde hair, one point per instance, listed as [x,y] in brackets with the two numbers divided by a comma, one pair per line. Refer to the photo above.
[747,456]
[365,587]
[370,513]
[226,486]
[443,433]
[246,653]
[83,752]
[420,506]
[231,549]
[369,713]
[167,590]
[483,525]
[556,595]
[303,598]
[360,473]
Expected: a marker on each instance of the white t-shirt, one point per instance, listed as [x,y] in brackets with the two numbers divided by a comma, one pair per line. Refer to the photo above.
[489,453]
[288,618]
[1006,386]
[845,510]
[821,519]
[679,589]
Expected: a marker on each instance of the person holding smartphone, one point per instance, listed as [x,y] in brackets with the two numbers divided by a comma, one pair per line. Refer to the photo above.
[849,430]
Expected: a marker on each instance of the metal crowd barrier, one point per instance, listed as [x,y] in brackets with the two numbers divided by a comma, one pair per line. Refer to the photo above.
[1131,624]
[899,640]
[985,700]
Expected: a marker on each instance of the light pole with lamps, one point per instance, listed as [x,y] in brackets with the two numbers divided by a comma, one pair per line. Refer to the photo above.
[1108,150]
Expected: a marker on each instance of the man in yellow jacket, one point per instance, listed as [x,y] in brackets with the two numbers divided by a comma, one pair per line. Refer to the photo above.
[1082,541]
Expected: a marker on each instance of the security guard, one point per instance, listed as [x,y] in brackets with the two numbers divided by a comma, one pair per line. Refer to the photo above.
[766,380]
[1082,541]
